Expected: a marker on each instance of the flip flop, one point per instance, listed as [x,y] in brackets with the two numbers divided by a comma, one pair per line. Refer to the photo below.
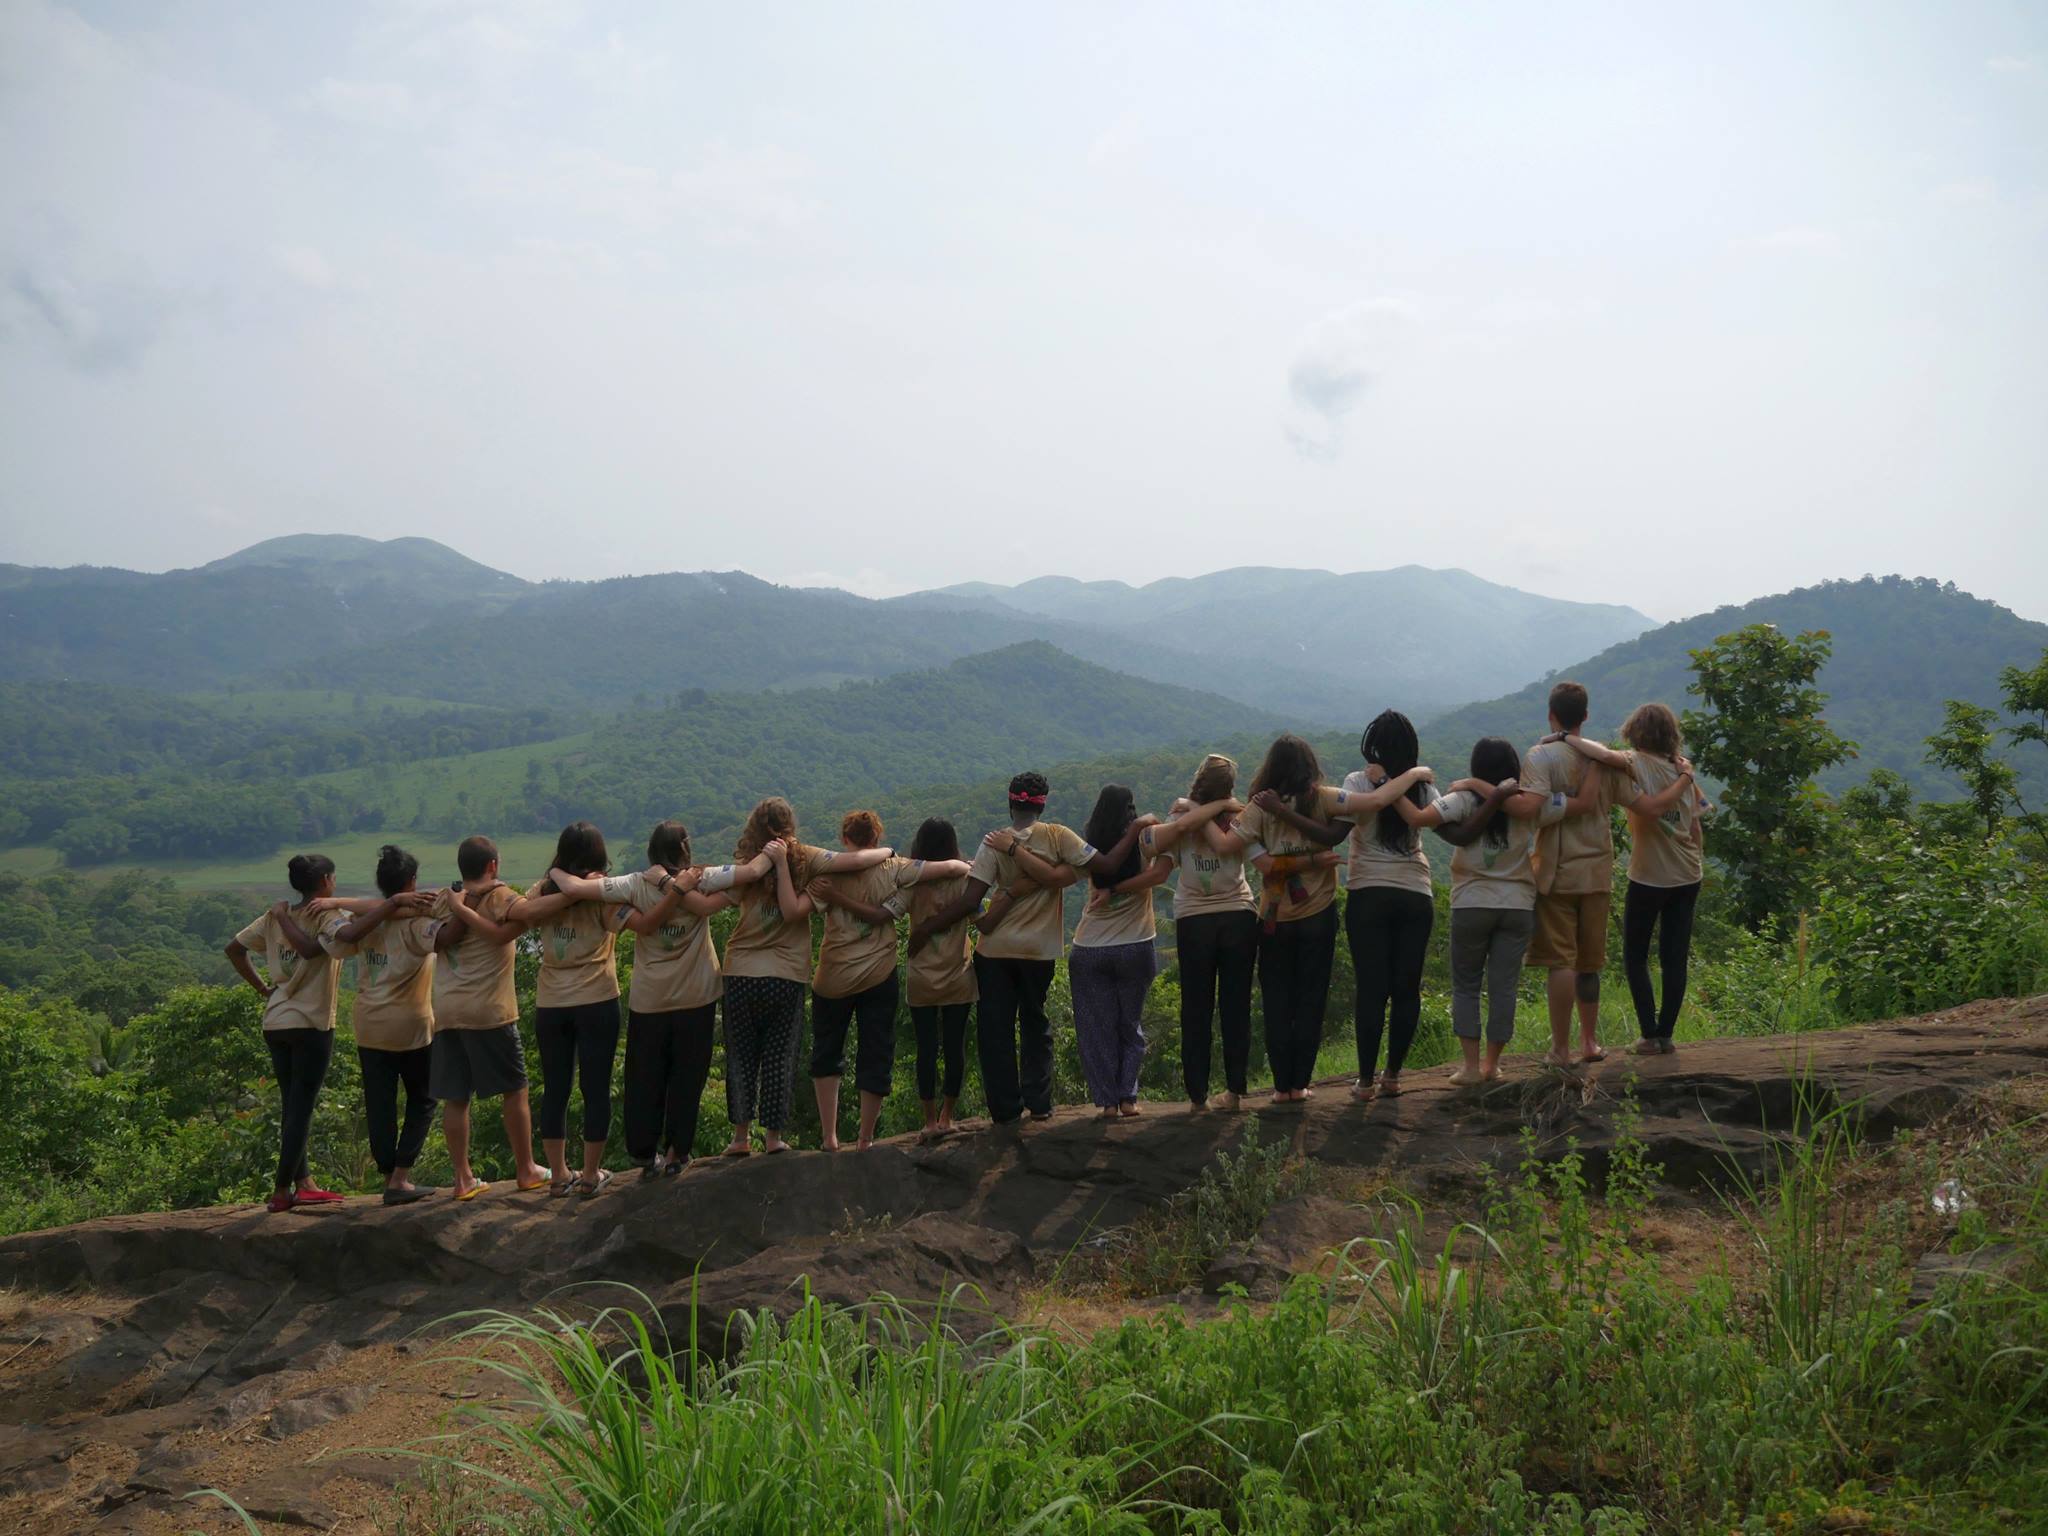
[560,1187]
[1596,1055]
[527,1189]
[592,1191]
[737,1152]
[473,1191]
[778,1151]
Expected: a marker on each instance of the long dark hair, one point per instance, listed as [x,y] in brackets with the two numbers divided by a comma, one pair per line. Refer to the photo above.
[935,840]
[580,851]
[1115,809]
[1390,743]
[1495,759]
[396,869]
[1292,771]
[669,845]
[308,871]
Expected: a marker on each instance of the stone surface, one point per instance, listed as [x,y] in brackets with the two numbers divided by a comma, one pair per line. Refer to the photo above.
[209,1320]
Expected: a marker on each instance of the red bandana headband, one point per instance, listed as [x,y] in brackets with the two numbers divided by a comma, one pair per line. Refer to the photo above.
[1016,799]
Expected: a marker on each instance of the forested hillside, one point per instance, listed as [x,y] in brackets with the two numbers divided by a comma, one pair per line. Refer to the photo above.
[411,617]
[1328,646]
[1902,646]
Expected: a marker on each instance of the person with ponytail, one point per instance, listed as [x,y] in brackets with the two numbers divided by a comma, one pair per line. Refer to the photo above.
[671,1011]
[939,975]
[395,940]
[767,962]
[576,1007]
[1215,931]
[299,995]
[856,975]
[1298,922]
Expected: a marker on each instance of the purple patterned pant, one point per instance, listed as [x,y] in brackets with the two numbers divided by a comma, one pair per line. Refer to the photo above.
[1109,983]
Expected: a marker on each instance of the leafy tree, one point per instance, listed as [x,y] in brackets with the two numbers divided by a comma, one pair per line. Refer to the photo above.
[1762,735]
[2026,696]
[1884,798]
[1963,746]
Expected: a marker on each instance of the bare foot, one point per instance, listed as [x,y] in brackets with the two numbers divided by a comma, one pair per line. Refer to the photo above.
[1390,1085]
[738,1148]
[1553,1059]
[829,1144]
[1647,1048]
[928,1133]
[464,1186]
[1303,1095]
[774,1143]
[1467,1077]
[1107,1112]
[1231,1103]
[1363,1092]
[1592,1053]
[864,1143]
[1128,1109]
[1490,1074]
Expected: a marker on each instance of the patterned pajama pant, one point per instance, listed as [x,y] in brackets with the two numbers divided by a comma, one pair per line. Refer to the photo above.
[1109,983]
[764,1015]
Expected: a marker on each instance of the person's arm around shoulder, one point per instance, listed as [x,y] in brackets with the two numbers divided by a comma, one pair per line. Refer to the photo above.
[1327,833]
[502,929]
[1184,822]
[827,892]
[960,907]
[363,924]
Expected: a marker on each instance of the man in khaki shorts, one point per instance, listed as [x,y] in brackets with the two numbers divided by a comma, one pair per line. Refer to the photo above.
[1574,862]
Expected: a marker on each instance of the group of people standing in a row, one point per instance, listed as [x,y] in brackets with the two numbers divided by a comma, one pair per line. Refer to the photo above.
[436,1013]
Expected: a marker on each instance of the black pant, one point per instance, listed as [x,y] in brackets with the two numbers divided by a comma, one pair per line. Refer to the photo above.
[1640,915]
[298,1060]
[1013,1037]
[577,1042]
[668,1060]
[1389,933]
[391,1145]
[874,1051]
[940,1025]
[1294,985]
[1218,953]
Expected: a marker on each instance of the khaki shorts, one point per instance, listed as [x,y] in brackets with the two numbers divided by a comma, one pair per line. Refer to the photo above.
[1571,933]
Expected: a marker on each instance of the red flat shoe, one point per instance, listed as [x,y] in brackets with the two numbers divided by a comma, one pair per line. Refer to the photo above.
[313,1194]
[280,1202]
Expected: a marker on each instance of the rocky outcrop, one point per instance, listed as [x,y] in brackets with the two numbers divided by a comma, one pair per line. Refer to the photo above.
[135,1330]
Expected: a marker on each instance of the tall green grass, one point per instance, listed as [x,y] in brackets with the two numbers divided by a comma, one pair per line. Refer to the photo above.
[1533,1373]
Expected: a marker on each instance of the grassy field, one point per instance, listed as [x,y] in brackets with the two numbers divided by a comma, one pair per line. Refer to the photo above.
[355,856]
[427,789]
[318,703]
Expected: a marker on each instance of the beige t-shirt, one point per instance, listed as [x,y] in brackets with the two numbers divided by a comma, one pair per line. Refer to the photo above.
[395,985]
[1303,893]
[306,989]
[1483,875]
[854,954]
[1574,855]
[1371,862]
[676,966]
[1034,927]
[943,971]
[1204,880]
[762,942]
[1113,917]
[1664,852]
[473,979]
[578,954]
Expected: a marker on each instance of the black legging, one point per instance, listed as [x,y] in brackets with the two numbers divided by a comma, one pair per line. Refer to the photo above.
[1218,952]
[668,1059]
[393,1145]
[941,1028]
[298,1060]
[577,1042]
[1294,986]
[1389,934]
[1667,909]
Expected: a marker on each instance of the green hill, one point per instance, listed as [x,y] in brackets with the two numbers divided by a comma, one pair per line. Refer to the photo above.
[1901,647]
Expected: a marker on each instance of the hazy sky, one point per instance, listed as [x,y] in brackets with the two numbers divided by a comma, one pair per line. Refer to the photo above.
[1664,304]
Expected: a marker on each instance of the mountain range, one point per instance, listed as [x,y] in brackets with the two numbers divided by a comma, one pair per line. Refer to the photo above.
[412,617]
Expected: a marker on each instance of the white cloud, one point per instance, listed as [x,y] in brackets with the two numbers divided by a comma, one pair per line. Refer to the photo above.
[1970,190]
[2013,64]
[305,265]
[1339,360]
[382,104]
[1796,237]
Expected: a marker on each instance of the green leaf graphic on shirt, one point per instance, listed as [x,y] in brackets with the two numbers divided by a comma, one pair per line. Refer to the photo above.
[563,937]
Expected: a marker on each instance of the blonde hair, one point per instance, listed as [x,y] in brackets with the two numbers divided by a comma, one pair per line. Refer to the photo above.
[1214,780]
[1652,728]
[773,818]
